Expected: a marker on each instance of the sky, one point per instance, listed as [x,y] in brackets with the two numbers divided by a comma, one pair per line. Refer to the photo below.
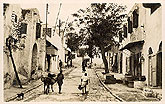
[65,12]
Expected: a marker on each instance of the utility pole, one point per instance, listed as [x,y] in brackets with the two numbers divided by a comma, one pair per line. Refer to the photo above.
[59,26]
[46,18]
[57,17]
[46,33]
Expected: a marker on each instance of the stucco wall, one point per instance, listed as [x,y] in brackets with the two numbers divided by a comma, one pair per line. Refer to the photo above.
[153,31]
[23,58]
[149,29]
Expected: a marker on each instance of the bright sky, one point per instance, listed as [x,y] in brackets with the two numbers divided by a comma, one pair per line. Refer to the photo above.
[66,10]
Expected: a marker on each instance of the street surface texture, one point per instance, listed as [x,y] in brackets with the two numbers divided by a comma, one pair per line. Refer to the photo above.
[124,92]
[70,92]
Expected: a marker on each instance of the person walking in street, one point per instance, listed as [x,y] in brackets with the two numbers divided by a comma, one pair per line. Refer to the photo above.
[60,64]
[83,65]
[84,83]
[60,78]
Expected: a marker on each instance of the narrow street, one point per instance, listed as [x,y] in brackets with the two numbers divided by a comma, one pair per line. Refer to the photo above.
[106,47]
[70,92]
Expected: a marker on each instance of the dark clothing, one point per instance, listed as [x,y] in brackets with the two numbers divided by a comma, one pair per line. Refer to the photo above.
[60,78]
[84,64]
[60,64]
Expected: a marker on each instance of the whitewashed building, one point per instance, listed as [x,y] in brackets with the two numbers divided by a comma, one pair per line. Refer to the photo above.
[142,45]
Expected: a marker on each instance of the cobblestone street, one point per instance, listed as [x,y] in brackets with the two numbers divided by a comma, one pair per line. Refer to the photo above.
[82,52]
[70,92]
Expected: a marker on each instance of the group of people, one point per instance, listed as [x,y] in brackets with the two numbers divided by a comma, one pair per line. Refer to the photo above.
[84,79]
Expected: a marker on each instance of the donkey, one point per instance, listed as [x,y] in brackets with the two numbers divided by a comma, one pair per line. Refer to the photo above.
[48,81]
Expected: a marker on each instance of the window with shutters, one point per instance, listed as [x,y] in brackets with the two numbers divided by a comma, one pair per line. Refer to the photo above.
[130,29]
[38,30]
[125,31]
[135,19]
[23,28]
[49,31]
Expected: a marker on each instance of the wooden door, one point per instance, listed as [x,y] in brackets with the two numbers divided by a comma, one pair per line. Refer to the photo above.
[153,71]
[159,69]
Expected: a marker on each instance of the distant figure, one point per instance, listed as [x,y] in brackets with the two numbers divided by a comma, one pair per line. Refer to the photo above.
[60,64]
[60,78]
[83,65]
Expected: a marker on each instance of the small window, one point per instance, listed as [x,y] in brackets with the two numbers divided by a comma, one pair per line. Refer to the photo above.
[130,29]
[135,19]
[125,31]
[38,30]
[23,28]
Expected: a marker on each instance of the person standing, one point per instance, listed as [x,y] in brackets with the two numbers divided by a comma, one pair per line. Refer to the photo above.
[83,65]
[60,64]
[84,83]
[60,78]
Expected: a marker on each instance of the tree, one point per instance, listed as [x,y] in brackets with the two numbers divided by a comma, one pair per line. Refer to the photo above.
[73,39]
[13,42]
[100,24]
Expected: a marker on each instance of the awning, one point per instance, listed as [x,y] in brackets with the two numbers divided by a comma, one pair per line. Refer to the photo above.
[48,44]
[51,49]
[133,45]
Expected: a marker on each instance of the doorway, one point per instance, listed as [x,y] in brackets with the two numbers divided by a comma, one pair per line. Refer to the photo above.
[34,62]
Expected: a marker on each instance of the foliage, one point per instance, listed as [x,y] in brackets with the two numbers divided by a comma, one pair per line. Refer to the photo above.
[100,23]
[99,26]
[15,39]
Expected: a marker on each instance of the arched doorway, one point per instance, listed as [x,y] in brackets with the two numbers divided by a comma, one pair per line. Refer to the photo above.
[34,60]
[159,65]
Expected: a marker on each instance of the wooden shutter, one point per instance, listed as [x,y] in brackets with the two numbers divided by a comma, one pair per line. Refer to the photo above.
[38,30]
[125,31]
[23,28]
[129,25]
[135,19]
